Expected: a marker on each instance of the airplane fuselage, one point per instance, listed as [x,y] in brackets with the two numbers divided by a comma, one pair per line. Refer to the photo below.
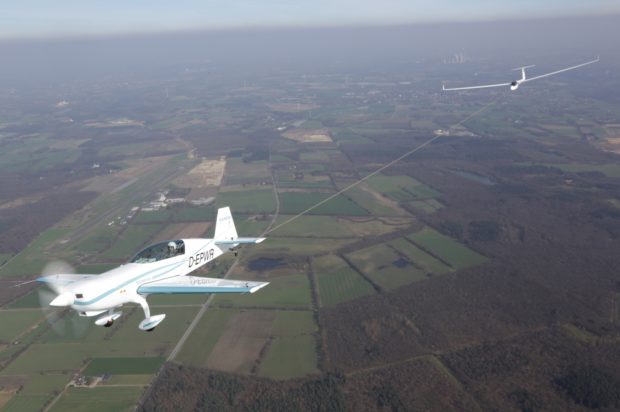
[120,285]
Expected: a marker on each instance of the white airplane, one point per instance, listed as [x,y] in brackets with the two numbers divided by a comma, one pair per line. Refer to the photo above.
[160,268]
[514,85]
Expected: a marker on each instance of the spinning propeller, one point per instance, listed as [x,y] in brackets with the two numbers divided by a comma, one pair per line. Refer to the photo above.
[52,298]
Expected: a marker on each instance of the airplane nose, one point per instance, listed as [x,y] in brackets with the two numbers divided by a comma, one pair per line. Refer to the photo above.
[64,299]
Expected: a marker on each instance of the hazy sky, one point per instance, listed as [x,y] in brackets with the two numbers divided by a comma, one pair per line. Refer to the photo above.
[44,18]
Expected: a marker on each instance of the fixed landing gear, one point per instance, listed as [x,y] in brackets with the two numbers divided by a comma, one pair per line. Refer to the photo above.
[150,322]
[108,320]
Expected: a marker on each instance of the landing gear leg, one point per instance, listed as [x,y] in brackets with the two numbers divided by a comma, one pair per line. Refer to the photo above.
[150,322]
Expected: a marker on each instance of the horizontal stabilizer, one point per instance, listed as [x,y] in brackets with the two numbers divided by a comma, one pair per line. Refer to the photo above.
[196,284]
[239,240]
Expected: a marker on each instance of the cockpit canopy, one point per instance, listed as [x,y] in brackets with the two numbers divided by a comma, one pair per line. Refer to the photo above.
[160,251]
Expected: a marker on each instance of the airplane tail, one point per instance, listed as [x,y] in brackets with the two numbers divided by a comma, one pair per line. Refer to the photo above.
[225,225]
[522,69]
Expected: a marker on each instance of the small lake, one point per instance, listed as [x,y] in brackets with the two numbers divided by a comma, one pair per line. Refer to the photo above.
[265,263]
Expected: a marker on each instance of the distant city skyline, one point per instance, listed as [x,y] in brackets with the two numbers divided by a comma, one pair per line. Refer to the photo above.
[39,18]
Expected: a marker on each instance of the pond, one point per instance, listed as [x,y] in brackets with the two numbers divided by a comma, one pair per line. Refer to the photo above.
[265,263]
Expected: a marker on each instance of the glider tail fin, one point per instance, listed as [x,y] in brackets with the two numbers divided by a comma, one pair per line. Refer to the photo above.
[225,225]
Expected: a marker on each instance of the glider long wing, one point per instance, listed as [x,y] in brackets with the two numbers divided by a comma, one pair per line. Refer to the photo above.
[196,284]
[529,79]
[485,86]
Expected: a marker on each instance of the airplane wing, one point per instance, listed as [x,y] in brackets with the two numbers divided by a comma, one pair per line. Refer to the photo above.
[529,79]
[239,240]
[196,284]
[485,86]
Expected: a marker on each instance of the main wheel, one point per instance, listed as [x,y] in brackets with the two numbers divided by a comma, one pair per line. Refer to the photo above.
[150,330]
[109,323]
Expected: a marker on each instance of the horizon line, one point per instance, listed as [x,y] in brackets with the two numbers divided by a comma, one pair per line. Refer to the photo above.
[283,27]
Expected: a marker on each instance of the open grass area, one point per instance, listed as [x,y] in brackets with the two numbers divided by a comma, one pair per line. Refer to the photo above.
[447,249]
[130,241]
[14,323]
[293,323]
[419,257]
[45,384]
[285,291]
[23,402]
[127,380]
[296,202]
[426,206]
[4,257]
[385,266]
[32,259]
[610,170]
[153,216]
[334,227]
[401,188]
[124,366]
[372,202]
[99,240]
[290,357]
[99,399]
[337,281]
[29,300]
[204,337]
[295,246]
[248,201]
[161,340]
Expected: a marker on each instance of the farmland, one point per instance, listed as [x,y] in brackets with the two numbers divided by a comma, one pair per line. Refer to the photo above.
[452,271]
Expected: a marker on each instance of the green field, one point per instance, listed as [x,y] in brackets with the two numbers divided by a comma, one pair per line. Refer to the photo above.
[285,291]
[294,323]
[401,188]
[15,323]
[290,357]
[45,384]
[204,336]
[296,202]
[426,206]
[128,379]
[447,249]
[99,399]
[295,246]
[124,366]
[161,340]
[99,240]
[609,170]
[193,214]
[380,263]
[32,259]
[337,281]
[332,227]
[4,257]
[153,216]
[370,202]
[419,257]
[29,300]
[23,402]
[248,201]
[130,241]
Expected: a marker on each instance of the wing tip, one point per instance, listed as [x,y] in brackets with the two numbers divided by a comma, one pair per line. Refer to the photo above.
[258,287]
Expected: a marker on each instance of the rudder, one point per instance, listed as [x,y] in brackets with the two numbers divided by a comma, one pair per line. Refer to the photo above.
[224,225]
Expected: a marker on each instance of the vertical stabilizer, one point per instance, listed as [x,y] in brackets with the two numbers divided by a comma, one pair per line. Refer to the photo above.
[224,225]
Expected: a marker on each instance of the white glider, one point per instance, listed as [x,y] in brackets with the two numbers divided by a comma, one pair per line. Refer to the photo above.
[160,268]
[514,85]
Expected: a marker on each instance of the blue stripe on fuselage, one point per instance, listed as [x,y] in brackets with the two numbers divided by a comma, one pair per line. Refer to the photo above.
[172,266]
